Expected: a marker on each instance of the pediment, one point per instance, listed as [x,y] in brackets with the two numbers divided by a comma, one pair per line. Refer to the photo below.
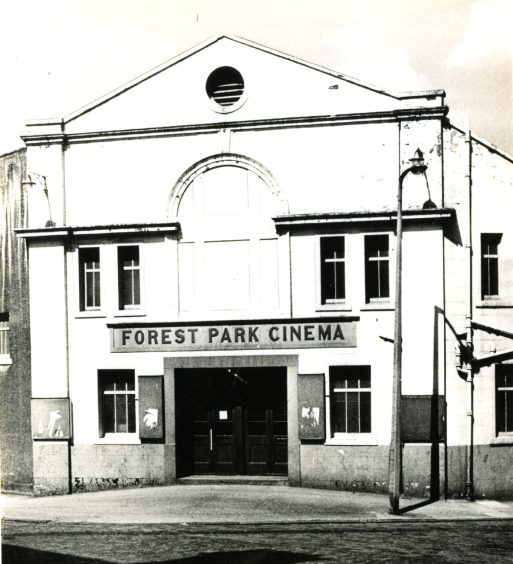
[269,85]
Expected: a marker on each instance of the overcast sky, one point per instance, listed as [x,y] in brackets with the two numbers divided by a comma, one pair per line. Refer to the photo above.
[57,55]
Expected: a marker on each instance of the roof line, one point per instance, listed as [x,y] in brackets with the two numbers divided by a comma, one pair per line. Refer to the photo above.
[335,74]
[488,144]
[13,151]
[140,78]
[199,47]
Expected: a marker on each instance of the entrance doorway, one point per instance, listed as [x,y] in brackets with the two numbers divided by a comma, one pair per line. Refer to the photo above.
[231,421]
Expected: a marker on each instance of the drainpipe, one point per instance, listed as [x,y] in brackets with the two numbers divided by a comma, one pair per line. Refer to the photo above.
[469,481]
[66,250]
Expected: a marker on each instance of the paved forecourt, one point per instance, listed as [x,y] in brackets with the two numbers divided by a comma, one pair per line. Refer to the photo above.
[216,503]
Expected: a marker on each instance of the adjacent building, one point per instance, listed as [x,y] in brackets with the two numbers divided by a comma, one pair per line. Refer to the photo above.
[211,257]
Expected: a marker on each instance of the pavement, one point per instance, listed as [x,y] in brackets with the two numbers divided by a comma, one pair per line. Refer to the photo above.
[241,504]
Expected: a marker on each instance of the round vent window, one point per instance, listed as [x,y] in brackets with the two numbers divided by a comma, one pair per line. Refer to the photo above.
[225,87]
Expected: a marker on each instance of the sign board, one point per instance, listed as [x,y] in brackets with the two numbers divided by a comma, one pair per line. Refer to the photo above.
[311,406]
[51,418]
[234,335]
[422,418]
[151,413]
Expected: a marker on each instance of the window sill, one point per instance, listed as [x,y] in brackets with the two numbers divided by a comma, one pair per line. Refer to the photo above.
[378,306]
[90,314]
[341,306]
[119,439]
[130,313]
[502,440]
[363,439]
[494,303]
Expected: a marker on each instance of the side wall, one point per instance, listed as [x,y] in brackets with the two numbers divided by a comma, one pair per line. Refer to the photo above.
[15,387]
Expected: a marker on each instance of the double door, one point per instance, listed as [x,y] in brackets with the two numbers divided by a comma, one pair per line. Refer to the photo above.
[232,421]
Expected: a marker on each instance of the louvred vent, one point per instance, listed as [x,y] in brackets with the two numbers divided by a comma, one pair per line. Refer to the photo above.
[225,86]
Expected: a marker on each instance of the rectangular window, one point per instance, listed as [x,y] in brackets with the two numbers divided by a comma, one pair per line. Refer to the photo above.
[116,401]
[333,270]
[4,334]
[377,275]
[490,265]
[129,277]
[89,264]
[350,392]
[504,399]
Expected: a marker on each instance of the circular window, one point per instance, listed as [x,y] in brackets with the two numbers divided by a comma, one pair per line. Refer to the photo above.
[225,87]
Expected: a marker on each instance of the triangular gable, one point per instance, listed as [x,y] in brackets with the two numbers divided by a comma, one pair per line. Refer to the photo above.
[276,85]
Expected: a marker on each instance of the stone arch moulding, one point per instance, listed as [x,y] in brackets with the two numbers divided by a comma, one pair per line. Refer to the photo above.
[216,161]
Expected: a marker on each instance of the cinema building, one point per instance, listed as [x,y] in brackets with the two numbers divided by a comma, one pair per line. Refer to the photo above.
[211,256]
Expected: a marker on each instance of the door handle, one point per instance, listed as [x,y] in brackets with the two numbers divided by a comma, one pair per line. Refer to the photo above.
[211,440]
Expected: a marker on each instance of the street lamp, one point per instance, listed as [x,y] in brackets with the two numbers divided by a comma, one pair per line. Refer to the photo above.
[417,167]
[42,182]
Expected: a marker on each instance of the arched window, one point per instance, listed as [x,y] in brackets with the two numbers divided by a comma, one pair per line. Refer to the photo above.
[228,254]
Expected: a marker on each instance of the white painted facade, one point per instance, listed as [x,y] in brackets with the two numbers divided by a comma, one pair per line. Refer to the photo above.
[228,207]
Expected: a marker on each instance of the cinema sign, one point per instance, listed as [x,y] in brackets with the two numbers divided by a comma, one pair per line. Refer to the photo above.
[234,335]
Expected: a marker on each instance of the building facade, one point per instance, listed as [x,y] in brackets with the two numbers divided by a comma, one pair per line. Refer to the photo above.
[211,283]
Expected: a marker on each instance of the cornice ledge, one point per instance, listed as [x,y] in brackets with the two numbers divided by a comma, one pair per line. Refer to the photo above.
[129,229]
[292,221]
[388,116]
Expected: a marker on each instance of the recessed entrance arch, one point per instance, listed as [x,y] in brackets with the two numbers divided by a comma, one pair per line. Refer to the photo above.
[231,421]
[218,424]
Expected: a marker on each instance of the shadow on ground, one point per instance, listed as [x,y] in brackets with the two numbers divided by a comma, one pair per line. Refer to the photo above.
[16,555]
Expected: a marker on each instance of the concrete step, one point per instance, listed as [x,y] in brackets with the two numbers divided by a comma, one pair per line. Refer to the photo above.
[200,480]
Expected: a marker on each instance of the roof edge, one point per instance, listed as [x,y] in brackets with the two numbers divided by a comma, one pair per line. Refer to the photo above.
[140,78]
[488,144]
[335,74]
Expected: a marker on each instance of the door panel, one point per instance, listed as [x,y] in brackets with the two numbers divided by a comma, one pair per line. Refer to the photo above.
[224,441]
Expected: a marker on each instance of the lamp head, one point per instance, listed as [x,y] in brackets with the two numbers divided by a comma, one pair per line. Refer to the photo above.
[28,181]
[417,163]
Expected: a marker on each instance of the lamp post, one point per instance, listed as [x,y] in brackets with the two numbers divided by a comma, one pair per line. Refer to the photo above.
[417,167]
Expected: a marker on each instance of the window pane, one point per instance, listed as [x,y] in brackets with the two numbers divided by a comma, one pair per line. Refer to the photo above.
[96,286]
[332,247]
[353,420]
[137,288]
[127,287]
[131,413]
[121,413]
[338,413]
[372,281]
[384,280]
[108,414]
[493,275]
[365,412]
[340,282]
[376,246]
[89,284]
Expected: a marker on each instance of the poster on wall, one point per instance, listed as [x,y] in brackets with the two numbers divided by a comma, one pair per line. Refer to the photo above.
[311,406]
[151,413]
[51,419]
